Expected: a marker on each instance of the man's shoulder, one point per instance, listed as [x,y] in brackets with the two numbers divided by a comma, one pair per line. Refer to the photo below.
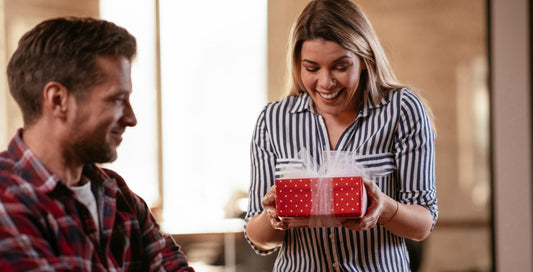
[7,165]
[5,160]
[11,177]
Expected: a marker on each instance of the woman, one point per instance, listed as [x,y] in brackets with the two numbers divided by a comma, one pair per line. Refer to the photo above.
[345,97]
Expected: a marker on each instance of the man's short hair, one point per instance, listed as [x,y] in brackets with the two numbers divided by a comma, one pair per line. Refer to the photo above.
[63,50]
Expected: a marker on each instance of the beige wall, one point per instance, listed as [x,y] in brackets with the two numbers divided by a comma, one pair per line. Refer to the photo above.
[511,111]
[281,15]
[17,17]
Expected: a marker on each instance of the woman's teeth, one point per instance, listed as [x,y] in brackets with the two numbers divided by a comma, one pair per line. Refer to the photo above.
[330,95]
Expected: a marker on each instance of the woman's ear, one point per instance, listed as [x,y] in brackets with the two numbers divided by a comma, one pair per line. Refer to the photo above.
[55,99]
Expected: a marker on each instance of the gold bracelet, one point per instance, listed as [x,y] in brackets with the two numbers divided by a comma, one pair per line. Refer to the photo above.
[393,215]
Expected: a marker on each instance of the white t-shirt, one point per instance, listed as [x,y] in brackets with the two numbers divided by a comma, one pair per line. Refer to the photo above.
[84,194]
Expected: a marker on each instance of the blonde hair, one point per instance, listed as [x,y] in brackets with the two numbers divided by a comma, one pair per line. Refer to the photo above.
[343,22]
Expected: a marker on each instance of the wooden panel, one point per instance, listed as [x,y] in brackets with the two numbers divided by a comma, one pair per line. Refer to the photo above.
[3,81]
[511,102]
[281,16]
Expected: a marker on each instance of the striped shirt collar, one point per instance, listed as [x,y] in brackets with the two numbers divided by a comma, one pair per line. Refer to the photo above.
[305,103]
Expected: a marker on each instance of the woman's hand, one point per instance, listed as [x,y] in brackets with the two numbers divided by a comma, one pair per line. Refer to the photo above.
[409,221]
[374,210]
[266,230]
[269,204]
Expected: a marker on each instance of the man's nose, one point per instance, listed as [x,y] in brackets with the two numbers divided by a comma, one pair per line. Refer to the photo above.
[129,118]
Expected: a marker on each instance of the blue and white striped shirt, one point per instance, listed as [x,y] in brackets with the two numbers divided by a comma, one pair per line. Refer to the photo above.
[394,136]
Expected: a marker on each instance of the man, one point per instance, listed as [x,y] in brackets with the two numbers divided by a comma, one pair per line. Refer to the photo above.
[59,211]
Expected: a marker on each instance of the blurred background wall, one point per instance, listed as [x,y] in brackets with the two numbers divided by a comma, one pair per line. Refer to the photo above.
[470,60]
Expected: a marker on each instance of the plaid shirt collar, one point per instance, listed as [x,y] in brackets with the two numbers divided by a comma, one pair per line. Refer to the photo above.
[36,173]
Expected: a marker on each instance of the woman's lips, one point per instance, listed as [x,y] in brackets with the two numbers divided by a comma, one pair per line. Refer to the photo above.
[330,96]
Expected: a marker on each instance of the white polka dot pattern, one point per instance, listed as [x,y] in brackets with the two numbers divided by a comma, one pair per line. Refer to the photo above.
[294,197]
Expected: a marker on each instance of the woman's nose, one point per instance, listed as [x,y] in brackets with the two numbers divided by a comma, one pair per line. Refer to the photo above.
[326,81]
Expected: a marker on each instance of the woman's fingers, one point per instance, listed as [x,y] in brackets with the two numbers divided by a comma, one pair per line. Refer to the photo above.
[269,204]
[370,219]
[270,198]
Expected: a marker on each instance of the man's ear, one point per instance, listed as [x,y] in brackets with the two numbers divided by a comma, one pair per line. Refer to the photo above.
[55,99]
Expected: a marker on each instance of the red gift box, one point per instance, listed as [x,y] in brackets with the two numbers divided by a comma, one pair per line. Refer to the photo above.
[301,202]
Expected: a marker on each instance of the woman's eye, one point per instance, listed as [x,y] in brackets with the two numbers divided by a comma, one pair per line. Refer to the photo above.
[342,67]
[311,69]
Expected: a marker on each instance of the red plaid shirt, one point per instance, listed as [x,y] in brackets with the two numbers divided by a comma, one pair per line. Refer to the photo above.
[44,228]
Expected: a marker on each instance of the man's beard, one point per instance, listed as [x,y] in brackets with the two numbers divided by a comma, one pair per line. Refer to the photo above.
[91,151]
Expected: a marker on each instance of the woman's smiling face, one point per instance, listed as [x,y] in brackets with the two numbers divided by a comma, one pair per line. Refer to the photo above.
[330,74]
